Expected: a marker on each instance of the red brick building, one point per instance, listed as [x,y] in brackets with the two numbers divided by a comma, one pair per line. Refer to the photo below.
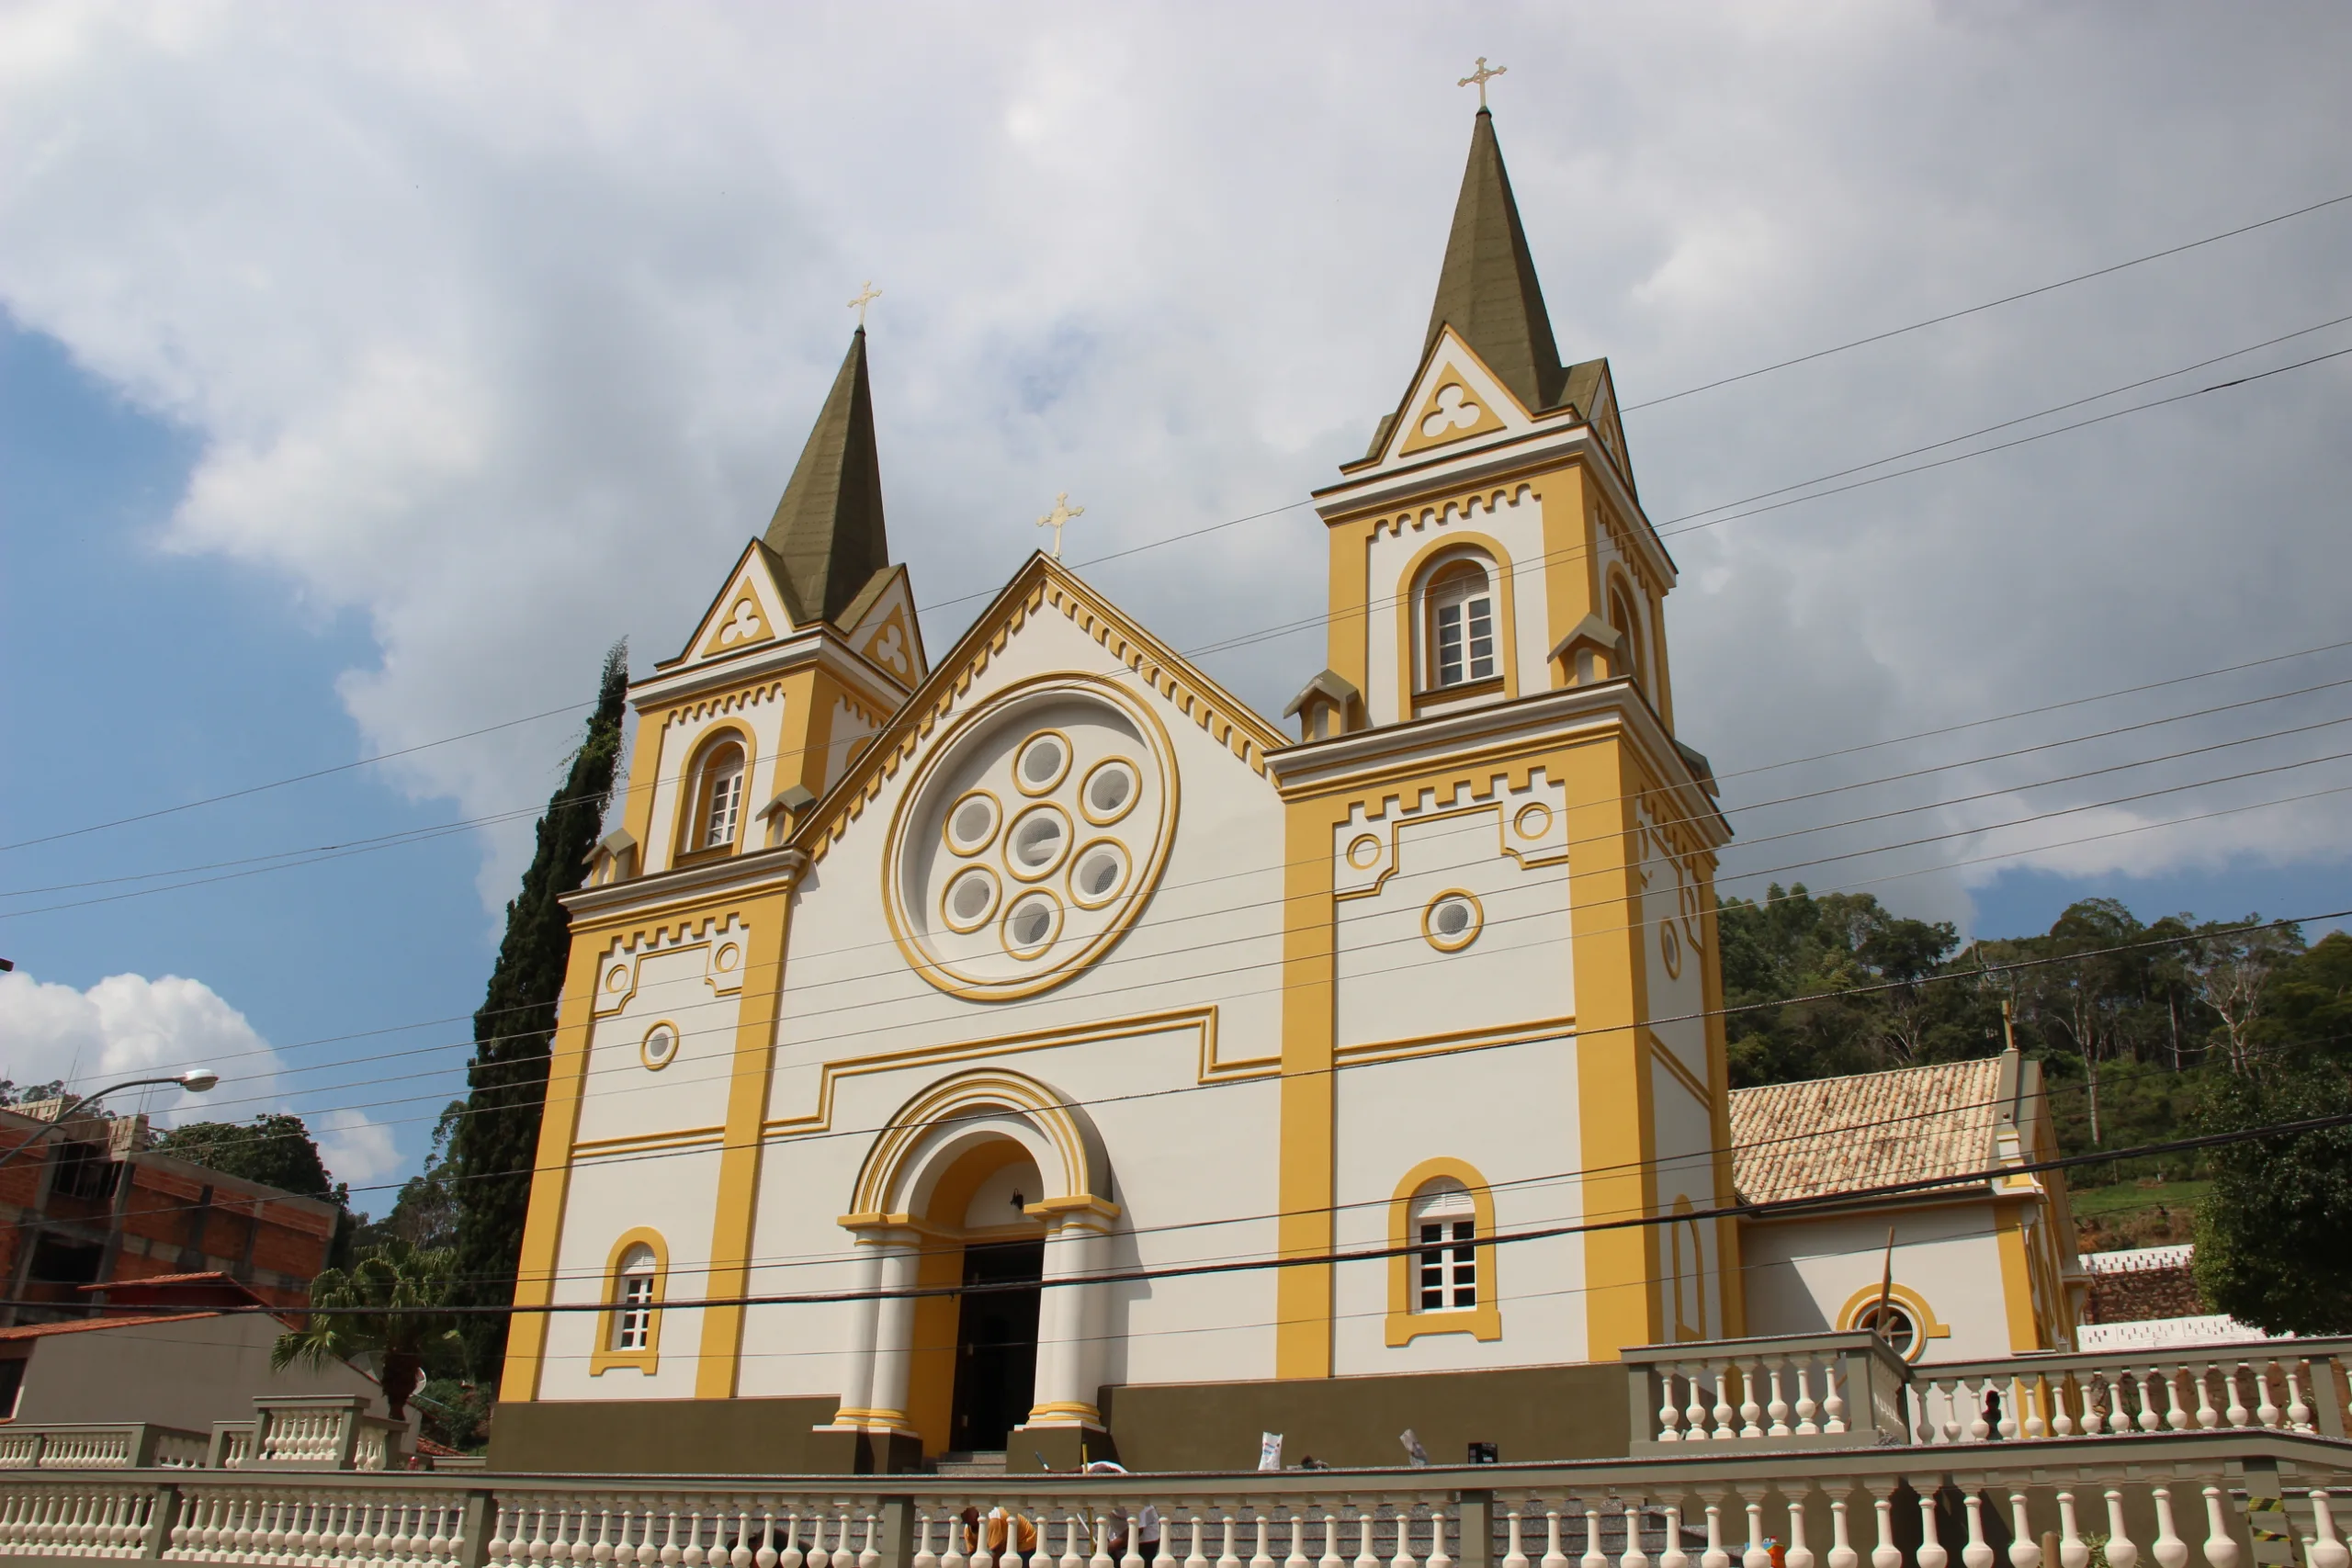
[87,1203]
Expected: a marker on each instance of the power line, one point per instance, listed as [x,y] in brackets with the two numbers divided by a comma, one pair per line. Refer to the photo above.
[1988,305]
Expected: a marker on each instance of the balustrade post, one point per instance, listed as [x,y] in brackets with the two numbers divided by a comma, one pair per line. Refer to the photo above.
[1477,1516]
[472,1545]
[897,1544]
[161,1518]
[2331,1393]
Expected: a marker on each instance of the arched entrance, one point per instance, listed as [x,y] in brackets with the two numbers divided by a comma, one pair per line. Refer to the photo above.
[993,1181]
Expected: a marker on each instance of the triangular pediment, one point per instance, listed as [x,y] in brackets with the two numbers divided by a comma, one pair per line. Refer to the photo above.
[752,609]
[1455,397]
[881,628]
[1042,594]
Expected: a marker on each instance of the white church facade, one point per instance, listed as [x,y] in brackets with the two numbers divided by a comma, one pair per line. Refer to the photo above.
[908,991]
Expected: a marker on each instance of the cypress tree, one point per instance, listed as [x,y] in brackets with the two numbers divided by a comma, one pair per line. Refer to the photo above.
[497,1138]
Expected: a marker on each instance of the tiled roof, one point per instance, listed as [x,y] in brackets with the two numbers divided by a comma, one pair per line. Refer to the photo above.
[1802,1140]
[209,1277]
[93,1325]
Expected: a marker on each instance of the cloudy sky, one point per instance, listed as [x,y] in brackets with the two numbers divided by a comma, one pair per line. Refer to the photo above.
[366,370]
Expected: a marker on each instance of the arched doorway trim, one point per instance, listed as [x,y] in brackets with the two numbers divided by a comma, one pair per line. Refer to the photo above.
[931,1131]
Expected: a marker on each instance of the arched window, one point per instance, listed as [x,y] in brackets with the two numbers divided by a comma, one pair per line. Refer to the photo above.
[1459,625]
[633,1300]
[1445,1270]
[718,800]
[1625,623]
[1442,1273]
[630,1328]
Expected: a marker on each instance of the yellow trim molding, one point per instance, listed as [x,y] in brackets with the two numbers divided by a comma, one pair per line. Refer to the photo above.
[1483,1322]
[605,1357]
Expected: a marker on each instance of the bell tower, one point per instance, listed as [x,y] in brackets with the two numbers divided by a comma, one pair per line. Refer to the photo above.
[1490,544]
[1500,857]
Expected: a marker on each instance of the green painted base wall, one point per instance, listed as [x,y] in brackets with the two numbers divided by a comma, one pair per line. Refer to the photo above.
[1532,1413]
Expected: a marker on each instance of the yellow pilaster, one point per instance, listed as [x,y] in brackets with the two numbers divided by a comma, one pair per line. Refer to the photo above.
[738,1154]
[2016,1279]
[535,1271]
[1615,1116]
[1302,1296]
[1349,630]
[1571,568]
[808,731]
[1731,1278]
[644,773]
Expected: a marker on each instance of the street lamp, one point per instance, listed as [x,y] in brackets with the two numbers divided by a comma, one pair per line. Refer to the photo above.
[196,1080]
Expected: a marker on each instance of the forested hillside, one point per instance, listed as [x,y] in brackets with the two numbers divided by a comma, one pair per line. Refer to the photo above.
[2190,1025]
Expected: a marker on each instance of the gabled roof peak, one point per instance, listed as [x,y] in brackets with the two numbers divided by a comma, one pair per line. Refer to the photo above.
[1486,290]
[827,532]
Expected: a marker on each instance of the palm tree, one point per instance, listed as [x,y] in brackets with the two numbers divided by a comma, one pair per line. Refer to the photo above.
[396,1275]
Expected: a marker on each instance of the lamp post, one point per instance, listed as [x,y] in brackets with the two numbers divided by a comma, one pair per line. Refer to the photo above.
[196,1080]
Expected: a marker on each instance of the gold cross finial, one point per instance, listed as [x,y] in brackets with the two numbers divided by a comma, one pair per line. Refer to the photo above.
[1481,76]
[867,295]
[1062,513]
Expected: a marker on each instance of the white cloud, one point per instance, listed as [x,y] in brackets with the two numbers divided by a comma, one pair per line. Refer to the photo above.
[503,326]
[129,1026]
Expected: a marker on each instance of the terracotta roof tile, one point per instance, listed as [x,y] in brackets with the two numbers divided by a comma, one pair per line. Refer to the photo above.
[1802,1140]
[91,1324]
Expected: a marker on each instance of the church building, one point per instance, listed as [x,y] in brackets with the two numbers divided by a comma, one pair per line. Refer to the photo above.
[1038,1051]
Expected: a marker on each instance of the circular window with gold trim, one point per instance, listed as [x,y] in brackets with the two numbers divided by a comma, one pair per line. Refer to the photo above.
[972,822]
[659,1047]
[1452,920]
[1030,836]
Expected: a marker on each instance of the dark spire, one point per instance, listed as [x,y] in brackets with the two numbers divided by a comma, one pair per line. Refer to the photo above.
[1488,291]
[828,528]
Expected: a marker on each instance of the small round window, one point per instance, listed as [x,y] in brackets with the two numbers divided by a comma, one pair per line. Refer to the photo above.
[1099,876]
[971,823]
[1111,792]
[660,1046]
[971,898]
[1031,924]
[1451,922]
[1896,1326]
[1039,840]
[1045,758]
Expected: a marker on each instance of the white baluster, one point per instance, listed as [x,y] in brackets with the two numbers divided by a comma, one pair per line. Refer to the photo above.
[1593,1556]
[1724,1430]
[1632,1556]
[2074,1551]
[1514,1524]
[1796,1554]
[1228,1558]
[2298,1415]
[1438,1557]
[1978,1552]
[1833,1403]
[1331,1558]
[2176,1417]
[1669,1416]
[2169,1549]
[1777,1407]
[1885,1554]
[2121,1550]
[2266,1412]
[1807,1411]
[1297,1558]
[1673,1556]
[1751,1411]
[1145,1514]
[1264,1557]
[1694,1419]
[1715,1556]
[1931,1552]
[1756,1555]
[2237,1415]
[1554,1557]
[1404,1558]
[1841,1540]
[2024,1550]
[1365,1556]
[2208,1417]
[2323,1549]
[2149,1421]
[2221,1552]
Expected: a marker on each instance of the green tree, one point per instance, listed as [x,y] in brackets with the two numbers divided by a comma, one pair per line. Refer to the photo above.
[413,1280]
[2273,1236]
[496,1140]
[276,1149]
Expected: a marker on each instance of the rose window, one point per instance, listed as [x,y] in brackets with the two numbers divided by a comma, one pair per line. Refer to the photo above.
[1031,837]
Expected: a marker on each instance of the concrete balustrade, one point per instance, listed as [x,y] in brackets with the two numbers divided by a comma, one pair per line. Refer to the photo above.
[131,1445]
[2175,1499]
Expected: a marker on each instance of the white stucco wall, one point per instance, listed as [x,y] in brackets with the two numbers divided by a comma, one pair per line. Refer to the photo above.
[1802,1272]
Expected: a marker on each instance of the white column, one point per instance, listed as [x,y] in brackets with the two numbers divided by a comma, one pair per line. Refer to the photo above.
[1067,1327]
[857,1375]
[893,1339]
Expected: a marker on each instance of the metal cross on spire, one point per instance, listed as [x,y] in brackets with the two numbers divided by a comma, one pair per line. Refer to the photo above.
[867,295]
[1062,513]
[1481,76]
